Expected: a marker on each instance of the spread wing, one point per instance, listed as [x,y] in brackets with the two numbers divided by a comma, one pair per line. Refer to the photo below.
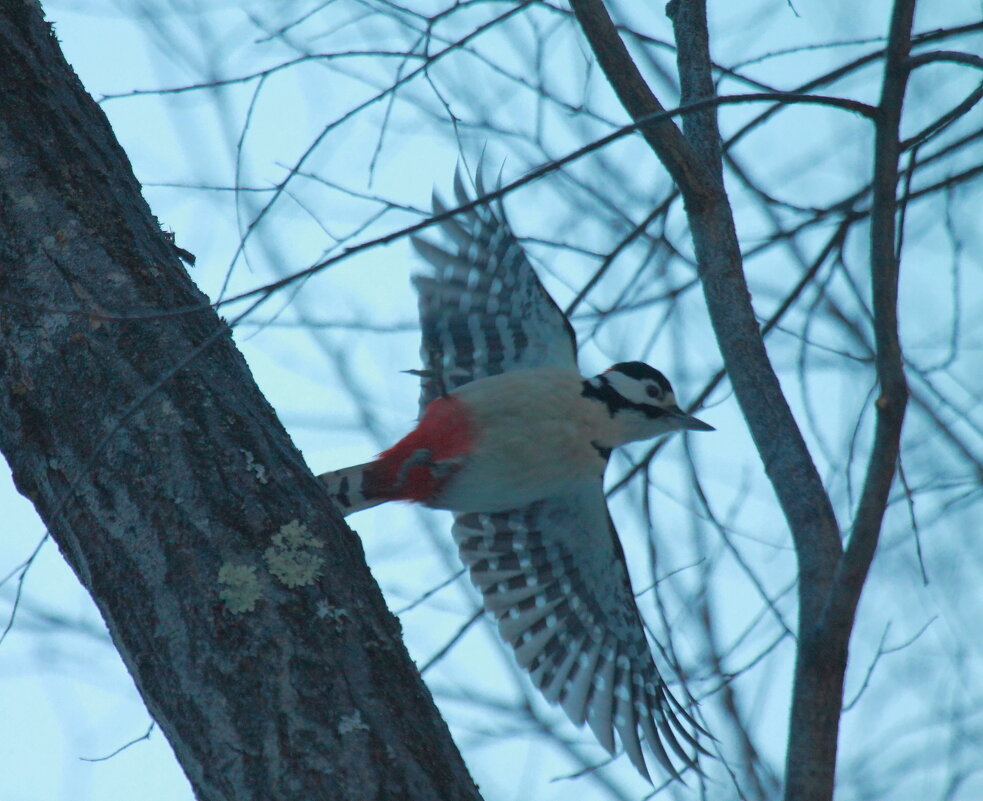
[554,576]
[552,573]
[483,311]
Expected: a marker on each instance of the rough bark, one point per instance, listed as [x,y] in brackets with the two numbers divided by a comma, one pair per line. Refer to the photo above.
[133,425]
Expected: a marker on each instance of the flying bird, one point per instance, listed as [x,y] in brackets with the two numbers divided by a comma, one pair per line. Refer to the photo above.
[514,441]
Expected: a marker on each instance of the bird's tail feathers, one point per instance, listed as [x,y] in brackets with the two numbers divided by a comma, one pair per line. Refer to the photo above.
[349,488]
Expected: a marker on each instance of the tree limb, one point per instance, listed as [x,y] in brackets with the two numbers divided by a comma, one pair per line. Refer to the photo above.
[239,603]
[821,655]
[777,437]
[888,358]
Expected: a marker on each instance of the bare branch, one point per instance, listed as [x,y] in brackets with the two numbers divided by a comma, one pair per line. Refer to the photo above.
[889,361]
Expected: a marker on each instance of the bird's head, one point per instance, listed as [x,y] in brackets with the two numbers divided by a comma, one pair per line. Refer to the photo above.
[640,402]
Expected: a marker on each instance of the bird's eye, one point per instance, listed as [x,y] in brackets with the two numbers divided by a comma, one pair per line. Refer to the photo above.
[653,391]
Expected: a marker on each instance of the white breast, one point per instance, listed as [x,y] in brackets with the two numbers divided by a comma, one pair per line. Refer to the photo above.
[533,438]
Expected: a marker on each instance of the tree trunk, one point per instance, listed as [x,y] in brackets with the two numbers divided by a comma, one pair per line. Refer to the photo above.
[239,602]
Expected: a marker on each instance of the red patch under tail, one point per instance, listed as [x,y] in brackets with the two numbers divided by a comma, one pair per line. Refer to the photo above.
[417,467]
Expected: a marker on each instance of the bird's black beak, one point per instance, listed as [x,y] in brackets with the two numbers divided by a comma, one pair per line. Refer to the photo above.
[690,423]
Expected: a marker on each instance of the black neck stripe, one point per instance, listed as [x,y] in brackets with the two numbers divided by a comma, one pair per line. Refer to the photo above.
[614,401]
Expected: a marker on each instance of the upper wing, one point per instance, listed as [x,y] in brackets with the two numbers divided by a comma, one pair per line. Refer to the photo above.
[554,575]
[484,311]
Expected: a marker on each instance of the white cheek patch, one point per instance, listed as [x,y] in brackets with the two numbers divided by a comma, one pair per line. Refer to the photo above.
[631,389]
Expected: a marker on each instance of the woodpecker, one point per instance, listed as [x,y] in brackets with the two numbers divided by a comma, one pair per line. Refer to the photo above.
[514,441]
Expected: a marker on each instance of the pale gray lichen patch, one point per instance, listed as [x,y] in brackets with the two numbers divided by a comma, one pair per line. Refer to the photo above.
[241,590]
[166,408]
[333,614]
[352,722]
[255,467]
[291,558]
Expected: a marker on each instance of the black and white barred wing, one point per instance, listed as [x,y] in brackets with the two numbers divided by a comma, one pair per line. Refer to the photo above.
[483,311]
[554,576]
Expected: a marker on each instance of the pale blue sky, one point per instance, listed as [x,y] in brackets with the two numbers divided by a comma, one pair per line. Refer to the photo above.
[65,696]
